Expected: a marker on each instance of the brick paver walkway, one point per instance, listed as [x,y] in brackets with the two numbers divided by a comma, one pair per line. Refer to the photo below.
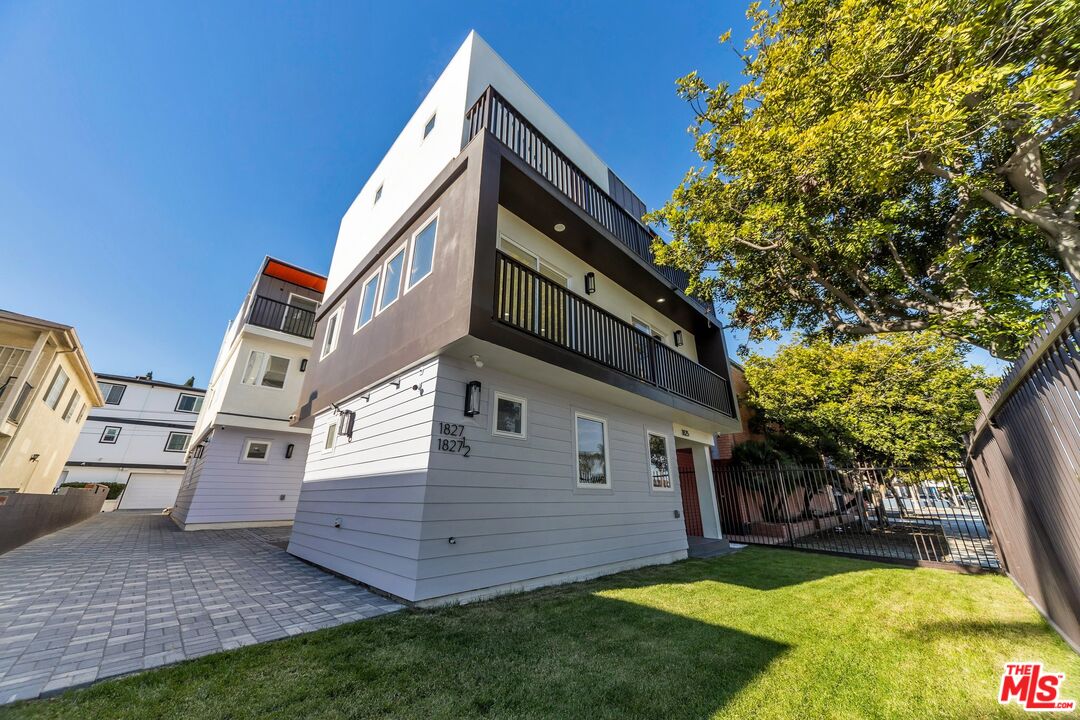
[125,592]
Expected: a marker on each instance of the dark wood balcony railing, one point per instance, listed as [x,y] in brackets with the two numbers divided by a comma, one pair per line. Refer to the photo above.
[528,301]
[493,113]
[276,315]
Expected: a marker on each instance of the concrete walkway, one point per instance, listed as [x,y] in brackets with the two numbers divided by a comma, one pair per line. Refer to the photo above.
[125,592]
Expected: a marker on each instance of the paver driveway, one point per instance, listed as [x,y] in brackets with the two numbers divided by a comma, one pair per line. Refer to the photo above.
[125,592]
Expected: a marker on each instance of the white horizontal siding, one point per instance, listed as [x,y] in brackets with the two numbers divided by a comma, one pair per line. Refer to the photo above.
[219,488]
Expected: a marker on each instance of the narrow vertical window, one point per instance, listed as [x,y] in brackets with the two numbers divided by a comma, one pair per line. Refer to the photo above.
[423,253]
[659,462]
[69,410]
[590,434]
[367,301]
[331,338]
[392,279]
[56,388]
[331,437]
[429,126]
[378,195]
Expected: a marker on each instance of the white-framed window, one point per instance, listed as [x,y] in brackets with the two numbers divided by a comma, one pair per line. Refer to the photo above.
[422,255]
[591,450]
[110,434]
[391,284]
[72,402]
[299,315]
[331,437]
[378,194]
[430,125]
[113,392]
[265,370]
[647,329]
[189,403]
[177,442]
[368,295]
[534,261]
[509,416]
[333,327]
[256,450]
[82,413]
[56,388]
[659,461]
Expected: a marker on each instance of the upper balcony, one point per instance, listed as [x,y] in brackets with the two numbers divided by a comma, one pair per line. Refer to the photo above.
[276,315]
[493,113]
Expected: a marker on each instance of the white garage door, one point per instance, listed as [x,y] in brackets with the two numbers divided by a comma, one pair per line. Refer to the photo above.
[150,491]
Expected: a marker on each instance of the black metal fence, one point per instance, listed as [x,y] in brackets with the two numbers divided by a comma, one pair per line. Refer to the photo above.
[276,315]
[528,301]
[907,515]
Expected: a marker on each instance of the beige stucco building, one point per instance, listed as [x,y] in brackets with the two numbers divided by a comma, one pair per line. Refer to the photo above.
[46,389]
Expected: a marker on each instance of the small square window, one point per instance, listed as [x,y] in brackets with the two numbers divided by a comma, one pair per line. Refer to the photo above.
[113,393]
[509,419]
[256,450]
[177,442]
[430,126]
[378,195]
[189,403]
[110,434]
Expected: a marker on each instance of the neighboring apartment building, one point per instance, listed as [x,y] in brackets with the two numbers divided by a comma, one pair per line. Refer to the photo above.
[507,391]
[246,460]
[46,389]
[139,438]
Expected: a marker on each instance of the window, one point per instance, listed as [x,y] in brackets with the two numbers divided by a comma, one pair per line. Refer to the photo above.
[20,403]
[69,409]
[430,126]
[659,462]
[333,325]
[423,252]
[331,437]
[299,315]
[590,434]
[189,403]
[378,194]
[56,388]
[256,450]
[177,442]
[392,280]
[112,392]
[509,416]
[647,329]
[366,310]
[82,413]
[265,370]
[109,434]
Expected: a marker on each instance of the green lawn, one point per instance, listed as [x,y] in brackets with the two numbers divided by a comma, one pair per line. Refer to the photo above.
[758,634]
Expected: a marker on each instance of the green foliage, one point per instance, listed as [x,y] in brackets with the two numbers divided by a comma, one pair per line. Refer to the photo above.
[774,450]
[903,400]
[114,488]
[889,165]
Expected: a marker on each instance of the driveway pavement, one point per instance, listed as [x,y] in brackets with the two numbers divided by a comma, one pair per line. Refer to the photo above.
[126,592]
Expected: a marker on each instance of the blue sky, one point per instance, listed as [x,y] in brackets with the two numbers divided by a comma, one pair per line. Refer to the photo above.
[153,152]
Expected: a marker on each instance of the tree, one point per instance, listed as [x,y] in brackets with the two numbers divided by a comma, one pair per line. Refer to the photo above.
[901,400]
[889,166]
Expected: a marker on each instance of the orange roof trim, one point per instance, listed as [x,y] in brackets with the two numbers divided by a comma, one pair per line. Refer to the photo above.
[294,275]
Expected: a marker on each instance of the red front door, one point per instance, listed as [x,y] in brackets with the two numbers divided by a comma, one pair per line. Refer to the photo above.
[688,484]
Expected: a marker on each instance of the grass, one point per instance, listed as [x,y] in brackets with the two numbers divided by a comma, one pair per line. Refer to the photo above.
[758,634]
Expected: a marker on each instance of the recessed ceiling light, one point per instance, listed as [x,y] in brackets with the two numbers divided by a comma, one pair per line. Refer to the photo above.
[559,227]
[659,300]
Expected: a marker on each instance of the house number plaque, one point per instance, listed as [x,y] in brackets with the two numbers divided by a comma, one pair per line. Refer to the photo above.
[452,438]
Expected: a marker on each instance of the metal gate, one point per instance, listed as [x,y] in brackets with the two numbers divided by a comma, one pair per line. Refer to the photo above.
[906,515]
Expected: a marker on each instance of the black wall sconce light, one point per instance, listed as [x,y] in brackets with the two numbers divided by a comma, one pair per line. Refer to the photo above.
[289,450]
[472,398]
[677,336]
[34,457]
[590,283]
[345,426]
[303,365]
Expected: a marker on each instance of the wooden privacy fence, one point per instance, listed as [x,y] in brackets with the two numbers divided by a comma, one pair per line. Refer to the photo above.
[1024,459]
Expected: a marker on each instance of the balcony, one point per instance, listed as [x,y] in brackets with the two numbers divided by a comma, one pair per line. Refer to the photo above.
[276,315]
[534,304]
[493,113]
